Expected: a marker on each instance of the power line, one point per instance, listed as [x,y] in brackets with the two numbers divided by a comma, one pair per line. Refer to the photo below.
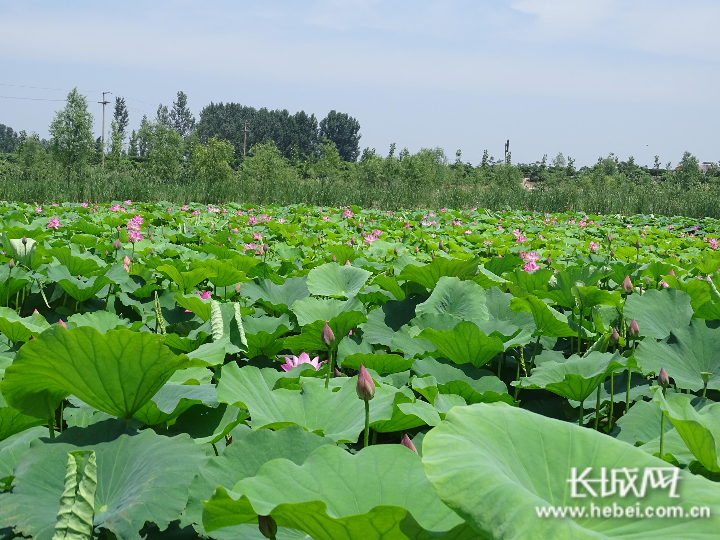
[31,99]
[44,88]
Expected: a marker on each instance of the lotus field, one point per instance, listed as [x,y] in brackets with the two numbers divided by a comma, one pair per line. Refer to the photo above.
[242,372]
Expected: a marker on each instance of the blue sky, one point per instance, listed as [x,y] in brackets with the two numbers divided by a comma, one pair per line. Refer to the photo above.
[582,77]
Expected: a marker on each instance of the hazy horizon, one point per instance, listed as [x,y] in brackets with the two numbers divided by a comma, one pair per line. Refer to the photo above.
[582,78]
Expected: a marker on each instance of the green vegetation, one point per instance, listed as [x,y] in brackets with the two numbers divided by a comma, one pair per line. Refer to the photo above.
[242,371]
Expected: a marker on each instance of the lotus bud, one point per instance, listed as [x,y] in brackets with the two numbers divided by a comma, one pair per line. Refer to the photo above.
[663,379]
[637,244]
[117,244]
[314,244]
[365,385]
[627,285]
[407,443]
[633,329]
[11,264]
[647,283]
[24,240]
[395,251]
[267,526]
[612,252]
[614,337]
[548,261]
[347,262]
[334,258]
[35,311]
[328,338]
[440,245]
[417,249]
[337,373]
[352,239]
[610,237]
[62,323]
[237,288]
[432,255]
[672,272]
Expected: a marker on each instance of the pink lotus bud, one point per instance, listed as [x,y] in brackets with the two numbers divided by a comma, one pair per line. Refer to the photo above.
[417,249]
[548,261]
[610,237]
[328,338]
[314,244]
[614,337]
[337,373]
[11,264]
[627,285]
[637,244]
[633,329]
[62,323]
[35,311]
[352,239]
[395,251]
[334,258]
[407,443]
[237,288]
[24,241]
[347,262]
[117,244]
[267,526]
[365,385]
[663,379]
[647,283]
[440,245]
[672,272]
[612,252]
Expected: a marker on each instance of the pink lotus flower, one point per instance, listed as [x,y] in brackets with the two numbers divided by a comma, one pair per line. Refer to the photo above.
[713,243]
[38,209]
[531,266]
[594,247]
[205,295]
[54,223]
[126,263]
[304,358]
[135,236]
[348,213]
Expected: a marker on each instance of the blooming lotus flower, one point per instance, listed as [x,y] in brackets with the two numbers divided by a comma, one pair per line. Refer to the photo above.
[205,295]
[304,358]
[135,236]
[365,385]
[54,223]
[593,247]
[530,266]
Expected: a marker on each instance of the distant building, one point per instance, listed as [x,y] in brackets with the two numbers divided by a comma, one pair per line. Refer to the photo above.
[705,166]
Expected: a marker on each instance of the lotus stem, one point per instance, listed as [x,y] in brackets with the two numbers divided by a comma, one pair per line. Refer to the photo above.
[51,427]
[627,392]
[597,408]
[612,401]
[331,366]
[367,422]
[662,429]
[535,351]
[500,364]
[582,413]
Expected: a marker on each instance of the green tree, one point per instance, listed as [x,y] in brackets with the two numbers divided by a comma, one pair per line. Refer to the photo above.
[181,119]
[344,131]
[265,163]
[29,150]
[162,116]
[163,147]
[71,132]
[8,139]
[133,150]
[143,137]
[116,144]
[210,161]
[121,117]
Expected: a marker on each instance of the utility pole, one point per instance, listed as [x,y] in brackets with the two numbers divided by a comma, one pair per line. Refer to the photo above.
[102,155]
[507,149]
[245,132]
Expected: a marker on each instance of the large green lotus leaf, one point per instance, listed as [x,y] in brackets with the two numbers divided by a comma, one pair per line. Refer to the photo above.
[385,321]
[262,334]
[226,274]
[659,312]
[464,344]
[338,414]
[496,465]
[577,377]
[487,279]
[311,337]
[528,282]
[13,421]
[80,289]
[78,264]
[242,459]
[332,496]
[685,354]
[462,299]
[208,424]
[591,296]
[14,447]
[504,320]
[430,274]
[390,285]
[333,279]
[20,329]
[141,477]
[435,378]
[549,322]
[309,310]
[102,321]
[171,400]
[381,363]
[698,290]
[194,303]
[116,372]
[641,424]
[186,280]
[699,429]
[278,297]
